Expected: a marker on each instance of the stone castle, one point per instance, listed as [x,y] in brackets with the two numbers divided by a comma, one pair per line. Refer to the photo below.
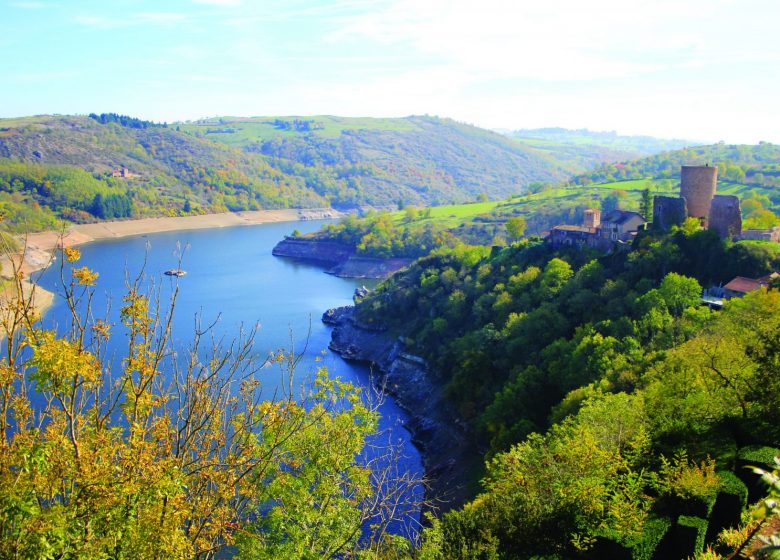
[698,185]
[698,199]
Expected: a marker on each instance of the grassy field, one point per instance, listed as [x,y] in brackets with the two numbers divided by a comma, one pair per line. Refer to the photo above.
[574,197]
[256,129]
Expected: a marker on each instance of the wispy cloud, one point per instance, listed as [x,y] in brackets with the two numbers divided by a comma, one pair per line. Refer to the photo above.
[160,17]
[225,3]
[140,18]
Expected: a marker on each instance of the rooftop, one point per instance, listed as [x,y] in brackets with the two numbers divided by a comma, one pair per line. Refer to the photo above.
[621,216]
[744,285]
[580,229]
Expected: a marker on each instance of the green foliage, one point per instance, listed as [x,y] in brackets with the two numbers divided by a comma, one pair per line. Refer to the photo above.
[638,392]
[690,534]
[757,455]
[379,235]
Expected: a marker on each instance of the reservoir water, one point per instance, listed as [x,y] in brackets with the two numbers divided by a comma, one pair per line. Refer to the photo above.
[233,278]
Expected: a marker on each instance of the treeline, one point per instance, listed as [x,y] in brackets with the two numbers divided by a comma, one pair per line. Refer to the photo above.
[644,398]
[124,120]
[298,125]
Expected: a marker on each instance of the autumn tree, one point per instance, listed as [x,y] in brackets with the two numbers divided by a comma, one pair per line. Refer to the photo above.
[175,453]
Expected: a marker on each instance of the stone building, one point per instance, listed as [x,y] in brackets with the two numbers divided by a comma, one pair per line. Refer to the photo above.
[618,226]
[621,225]
[668,211]
[725,216]
[772,234]
[698,184]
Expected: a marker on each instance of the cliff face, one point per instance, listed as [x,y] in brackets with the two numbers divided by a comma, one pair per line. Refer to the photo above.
[339,258]
[448,453]
[329,253]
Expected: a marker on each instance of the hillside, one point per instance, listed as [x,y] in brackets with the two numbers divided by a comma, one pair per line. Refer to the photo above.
[616,413]
[60,166]
[417,160]
[756,165]
[581,150]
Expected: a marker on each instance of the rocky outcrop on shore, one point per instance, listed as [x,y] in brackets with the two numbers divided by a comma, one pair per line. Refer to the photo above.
[319,214]
[339,258]
[448,453]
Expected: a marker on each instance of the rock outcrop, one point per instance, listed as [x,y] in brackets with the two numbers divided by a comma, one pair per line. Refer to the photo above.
[448,453]
[338,258]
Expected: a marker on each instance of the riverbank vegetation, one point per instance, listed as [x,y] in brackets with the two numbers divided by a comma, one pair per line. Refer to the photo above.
[618,413]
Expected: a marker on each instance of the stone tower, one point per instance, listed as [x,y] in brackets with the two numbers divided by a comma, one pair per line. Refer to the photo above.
[726,216]
[697,186]
[592,218]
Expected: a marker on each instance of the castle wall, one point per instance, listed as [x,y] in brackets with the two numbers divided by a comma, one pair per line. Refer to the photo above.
[725,216]
[698,184]
[668,211]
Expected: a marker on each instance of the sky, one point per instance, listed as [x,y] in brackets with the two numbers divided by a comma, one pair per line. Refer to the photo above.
[705,70]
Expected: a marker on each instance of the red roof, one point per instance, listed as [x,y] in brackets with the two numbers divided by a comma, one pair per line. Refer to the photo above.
[744,285]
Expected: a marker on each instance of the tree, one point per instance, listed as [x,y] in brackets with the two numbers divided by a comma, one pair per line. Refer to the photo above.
[174,455]
[646,204]
[515,227]
[679,292]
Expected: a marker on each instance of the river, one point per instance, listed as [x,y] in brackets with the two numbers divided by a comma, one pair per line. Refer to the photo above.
[232,277]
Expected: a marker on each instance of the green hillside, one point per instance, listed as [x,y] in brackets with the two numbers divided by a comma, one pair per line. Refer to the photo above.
[60,167]
[582,150]
[614,410]
[417,160]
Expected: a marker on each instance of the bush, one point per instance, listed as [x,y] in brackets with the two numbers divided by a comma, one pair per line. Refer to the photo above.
[690,534]
[757,456]
[731,500]
[648,545]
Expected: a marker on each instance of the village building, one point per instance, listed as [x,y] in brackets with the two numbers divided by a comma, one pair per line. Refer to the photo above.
[740,285]
[622,225]
[772,235]
[617,227]
[122,172]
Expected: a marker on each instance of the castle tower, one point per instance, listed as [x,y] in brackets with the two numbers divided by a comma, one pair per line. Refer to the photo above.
[592,218]
[697,186]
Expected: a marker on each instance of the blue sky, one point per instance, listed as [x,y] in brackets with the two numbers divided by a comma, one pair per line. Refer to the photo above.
[704,70]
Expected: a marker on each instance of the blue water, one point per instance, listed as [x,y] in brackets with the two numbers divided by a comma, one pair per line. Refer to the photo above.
[233,279]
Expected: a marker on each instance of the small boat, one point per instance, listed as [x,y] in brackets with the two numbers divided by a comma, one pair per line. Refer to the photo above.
[175,272]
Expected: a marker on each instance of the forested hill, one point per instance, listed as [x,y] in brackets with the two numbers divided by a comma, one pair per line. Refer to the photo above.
[61,166]
[757,165]
[418,160]
[581,150]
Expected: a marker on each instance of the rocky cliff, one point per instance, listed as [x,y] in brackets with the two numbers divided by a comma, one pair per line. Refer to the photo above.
[339,258]
[448,454]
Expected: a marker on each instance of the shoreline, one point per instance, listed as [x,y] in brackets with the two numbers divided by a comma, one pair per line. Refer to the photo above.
[38,248]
